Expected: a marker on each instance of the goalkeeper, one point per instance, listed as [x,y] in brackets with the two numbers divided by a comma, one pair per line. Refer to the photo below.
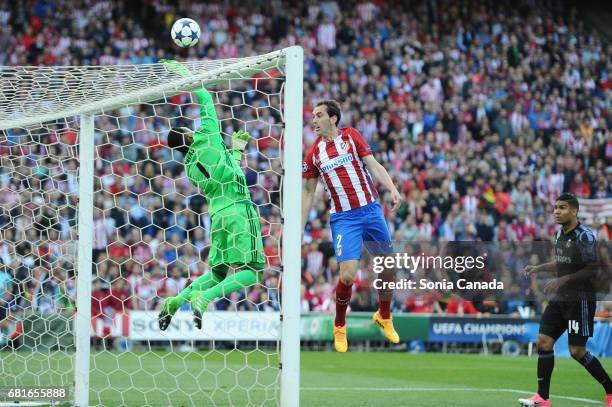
[236,232]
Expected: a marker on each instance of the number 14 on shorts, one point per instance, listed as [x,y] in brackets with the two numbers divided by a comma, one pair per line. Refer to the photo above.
[573,326]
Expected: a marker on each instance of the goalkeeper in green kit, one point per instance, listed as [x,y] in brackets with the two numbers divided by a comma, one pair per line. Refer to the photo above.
[236,232]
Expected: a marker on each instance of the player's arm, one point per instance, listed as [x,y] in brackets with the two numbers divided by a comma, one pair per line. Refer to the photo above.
[310,187]
[541,268]
[381,174]
[208,113]
[586,273]
[310,174]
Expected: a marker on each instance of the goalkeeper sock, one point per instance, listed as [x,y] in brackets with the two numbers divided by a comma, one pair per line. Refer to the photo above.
[237,281]
[204,282]
[343,297]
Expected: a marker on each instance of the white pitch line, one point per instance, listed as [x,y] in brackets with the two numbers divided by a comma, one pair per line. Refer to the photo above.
[387,389]
[404,389]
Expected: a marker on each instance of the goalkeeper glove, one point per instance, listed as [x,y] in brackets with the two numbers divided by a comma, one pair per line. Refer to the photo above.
[176,67]
[240,139]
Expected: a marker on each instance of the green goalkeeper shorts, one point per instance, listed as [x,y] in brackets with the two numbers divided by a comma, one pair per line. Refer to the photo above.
[236,236]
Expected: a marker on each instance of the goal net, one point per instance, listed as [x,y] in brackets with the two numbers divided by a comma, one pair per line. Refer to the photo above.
[99,224]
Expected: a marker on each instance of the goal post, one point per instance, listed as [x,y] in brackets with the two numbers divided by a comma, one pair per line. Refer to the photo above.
[82,326]
[38,107]
[292,235]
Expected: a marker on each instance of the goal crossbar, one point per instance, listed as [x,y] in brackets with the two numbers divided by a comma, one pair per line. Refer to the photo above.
[23,110]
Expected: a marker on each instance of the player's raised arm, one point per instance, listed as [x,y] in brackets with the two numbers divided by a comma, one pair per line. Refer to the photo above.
[381,174]
[208,113]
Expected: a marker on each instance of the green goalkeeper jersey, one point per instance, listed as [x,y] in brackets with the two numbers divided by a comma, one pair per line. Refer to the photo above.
[210,166]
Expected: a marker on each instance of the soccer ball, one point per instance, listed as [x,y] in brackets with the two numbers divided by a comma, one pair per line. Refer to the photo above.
[185,32]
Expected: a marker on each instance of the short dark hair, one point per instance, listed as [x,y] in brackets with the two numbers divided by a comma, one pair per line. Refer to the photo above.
[570,199]
[176,139]
[333,108]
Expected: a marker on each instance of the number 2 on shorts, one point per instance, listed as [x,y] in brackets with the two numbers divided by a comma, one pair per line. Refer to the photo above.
[339,246]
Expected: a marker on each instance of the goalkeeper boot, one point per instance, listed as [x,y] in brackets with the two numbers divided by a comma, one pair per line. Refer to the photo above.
[340,341]
[387,327]
[534,401]
[199,304]
[171,305]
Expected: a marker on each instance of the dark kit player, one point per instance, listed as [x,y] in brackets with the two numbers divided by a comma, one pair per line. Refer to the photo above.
[573,304]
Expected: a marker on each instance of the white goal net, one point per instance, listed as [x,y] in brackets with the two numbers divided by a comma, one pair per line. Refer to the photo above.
[99,224]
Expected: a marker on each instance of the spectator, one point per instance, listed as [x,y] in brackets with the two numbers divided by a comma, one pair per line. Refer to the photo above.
[100,300]
[120,299]
[460,306]
[424,302]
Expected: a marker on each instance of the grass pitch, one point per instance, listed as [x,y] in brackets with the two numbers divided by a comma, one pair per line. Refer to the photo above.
[328,379]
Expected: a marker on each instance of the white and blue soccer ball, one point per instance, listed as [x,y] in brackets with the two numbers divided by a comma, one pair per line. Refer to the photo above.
[185,32]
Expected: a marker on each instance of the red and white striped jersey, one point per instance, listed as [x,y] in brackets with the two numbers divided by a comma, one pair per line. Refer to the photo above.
[339,163]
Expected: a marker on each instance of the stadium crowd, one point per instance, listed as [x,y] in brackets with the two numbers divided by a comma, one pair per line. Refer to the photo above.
[482,113]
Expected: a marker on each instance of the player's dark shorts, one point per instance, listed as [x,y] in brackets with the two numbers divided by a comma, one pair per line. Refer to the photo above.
[575,316]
